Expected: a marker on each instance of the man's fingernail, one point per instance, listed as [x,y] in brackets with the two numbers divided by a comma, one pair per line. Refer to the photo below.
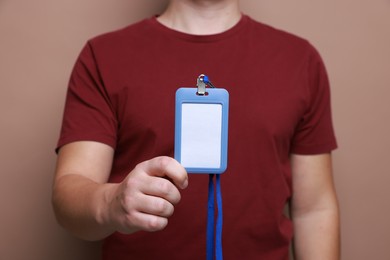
[185,184]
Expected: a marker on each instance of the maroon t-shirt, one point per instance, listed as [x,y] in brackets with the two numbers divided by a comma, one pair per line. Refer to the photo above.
[122,91]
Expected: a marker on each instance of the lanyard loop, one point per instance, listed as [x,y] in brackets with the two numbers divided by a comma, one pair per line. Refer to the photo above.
[214,231]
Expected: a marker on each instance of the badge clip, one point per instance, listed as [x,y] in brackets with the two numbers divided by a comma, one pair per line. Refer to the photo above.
[201,83]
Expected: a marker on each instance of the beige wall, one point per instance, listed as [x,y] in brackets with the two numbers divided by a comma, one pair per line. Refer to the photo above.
[39,41]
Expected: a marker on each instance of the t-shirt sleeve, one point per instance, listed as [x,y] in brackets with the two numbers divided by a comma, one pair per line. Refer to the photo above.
[314,133]
[88,114]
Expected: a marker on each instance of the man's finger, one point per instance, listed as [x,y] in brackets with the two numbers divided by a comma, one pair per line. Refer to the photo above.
[166,167]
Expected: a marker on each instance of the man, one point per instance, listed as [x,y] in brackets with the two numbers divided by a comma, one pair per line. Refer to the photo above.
[116,180]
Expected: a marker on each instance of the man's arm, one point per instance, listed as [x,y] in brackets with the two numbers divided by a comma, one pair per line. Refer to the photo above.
[314,208]
[92,209]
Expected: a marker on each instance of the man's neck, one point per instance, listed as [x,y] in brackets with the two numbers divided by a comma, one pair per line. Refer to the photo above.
[201,17]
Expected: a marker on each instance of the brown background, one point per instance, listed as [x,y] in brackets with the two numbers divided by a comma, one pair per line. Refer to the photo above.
[40,40]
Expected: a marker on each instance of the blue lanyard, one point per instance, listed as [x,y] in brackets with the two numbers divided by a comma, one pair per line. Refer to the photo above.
[214,231]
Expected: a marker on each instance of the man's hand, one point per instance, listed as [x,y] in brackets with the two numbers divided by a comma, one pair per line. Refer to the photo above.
[146,198]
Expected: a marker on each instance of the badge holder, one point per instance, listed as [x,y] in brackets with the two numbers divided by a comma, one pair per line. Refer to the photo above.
[201,143]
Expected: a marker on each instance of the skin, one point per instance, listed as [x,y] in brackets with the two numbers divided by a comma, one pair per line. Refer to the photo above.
[201,17]
[92,209]
[314,208]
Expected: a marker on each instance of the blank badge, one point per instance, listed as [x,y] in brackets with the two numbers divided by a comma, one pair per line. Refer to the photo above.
[201,129]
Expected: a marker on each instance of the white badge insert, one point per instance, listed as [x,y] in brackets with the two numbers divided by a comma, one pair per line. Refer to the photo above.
[201,130]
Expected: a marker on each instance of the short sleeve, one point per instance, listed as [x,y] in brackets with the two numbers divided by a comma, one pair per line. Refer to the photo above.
[88,113]
[314,133]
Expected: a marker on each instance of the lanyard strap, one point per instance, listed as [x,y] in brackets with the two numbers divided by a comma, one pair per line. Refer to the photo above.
[214,232]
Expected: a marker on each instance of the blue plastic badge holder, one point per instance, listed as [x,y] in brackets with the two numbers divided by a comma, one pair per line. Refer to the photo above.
[201,130]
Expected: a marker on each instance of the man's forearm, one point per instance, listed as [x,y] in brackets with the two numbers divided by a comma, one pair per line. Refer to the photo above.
[78,203]
[314,208]
[317,235]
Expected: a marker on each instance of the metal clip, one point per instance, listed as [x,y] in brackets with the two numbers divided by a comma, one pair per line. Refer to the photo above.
[201,85]
[202,81]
